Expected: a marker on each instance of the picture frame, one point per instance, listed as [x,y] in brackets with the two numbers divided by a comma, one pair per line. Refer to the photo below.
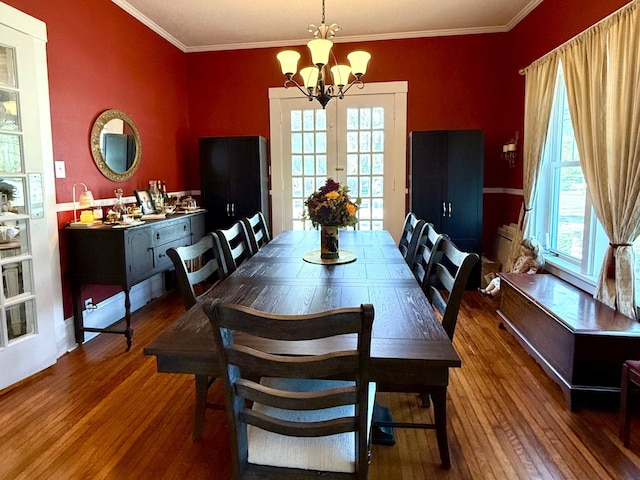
[145,201]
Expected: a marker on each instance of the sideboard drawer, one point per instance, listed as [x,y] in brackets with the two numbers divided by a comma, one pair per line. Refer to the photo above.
[161,259]
[168,233]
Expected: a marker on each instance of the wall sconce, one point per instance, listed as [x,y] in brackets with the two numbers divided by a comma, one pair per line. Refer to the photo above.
[85,201]
[510,151]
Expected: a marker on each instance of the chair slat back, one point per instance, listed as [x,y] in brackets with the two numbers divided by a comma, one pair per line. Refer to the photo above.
[197,269]
[427,253]
[233,246]
[257,230]
[411,233]
[244,364]
[447,281]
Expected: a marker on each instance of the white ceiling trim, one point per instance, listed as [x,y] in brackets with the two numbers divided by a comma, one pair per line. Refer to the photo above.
[361,38]
[275,44]
[150,23]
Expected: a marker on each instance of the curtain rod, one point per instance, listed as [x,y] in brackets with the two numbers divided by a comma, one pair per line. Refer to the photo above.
[629,6]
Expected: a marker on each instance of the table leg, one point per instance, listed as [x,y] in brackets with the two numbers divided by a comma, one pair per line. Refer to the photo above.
[78,321]
[439,399]
[202,385]
[128,331]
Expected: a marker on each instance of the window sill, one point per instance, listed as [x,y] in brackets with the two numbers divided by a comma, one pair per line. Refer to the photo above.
[569,273]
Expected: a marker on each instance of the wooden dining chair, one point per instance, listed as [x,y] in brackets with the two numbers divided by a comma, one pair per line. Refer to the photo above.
[257,231]
[197,272]
[300,425]
[444,286]
[630,381]
[446,283]
[411,233]
[197,269]
[427,253]
[233,247]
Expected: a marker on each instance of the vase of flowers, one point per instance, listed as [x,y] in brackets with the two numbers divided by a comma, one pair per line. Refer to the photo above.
[331,208]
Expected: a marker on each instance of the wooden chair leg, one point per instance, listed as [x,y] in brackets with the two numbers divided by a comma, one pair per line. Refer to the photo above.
[439,399]
[202,385]
[625,417]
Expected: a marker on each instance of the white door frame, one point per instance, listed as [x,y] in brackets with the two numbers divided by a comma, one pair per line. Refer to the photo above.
[37,351]
[398,89]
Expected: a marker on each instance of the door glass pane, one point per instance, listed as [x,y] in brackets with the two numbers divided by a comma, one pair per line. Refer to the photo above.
[8,77]
[10,153]
[365,169]
[20,319]
[308,172]
[9,108]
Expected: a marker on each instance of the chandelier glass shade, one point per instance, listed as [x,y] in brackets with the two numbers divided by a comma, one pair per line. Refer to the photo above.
[317,83]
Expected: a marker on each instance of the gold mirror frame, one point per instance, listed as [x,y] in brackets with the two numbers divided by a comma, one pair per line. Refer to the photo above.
[96,152]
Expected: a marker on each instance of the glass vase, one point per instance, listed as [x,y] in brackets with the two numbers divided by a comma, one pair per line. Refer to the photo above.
[329,242]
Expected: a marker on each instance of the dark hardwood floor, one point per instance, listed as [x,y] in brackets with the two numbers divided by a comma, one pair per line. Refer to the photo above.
[103,413]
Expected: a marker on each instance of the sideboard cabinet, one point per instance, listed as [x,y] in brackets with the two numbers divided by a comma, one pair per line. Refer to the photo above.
[107,255]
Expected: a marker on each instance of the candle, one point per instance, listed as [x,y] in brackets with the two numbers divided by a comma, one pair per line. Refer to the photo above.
[511,147]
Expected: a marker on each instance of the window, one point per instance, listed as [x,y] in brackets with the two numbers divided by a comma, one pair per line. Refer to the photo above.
[565,223]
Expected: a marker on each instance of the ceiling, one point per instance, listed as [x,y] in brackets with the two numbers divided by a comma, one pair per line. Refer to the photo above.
[206,25]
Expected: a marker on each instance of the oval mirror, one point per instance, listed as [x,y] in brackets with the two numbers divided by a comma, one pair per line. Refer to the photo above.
[115,145]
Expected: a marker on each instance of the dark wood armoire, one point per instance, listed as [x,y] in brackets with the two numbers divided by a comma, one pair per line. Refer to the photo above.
[446,185]
[235,179]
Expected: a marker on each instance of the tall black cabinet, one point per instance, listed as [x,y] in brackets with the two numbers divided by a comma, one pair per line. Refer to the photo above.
[235,179]
[446,185]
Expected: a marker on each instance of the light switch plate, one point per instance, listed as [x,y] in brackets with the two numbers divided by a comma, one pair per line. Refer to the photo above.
[60,170]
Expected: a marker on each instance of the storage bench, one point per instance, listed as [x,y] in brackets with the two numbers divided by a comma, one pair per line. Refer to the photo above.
[579,342]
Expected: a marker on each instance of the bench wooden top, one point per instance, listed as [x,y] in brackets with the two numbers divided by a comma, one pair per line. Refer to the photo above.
[572,307]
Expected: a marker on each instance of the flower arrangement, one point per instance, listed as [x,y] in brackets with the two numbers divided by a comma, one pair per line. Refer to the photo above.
[331,206]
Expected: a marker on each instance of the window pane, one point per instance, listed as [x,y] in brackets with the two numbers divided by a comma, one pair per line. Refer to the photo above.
[572,191]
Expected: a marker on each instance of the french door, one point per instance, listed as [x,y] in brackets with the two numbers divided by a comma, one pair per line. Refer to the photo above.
[357,141]
[30,300]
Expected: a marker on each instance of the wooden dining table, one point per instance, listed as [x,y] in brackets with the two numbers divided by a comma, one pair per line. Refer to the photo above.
[410,351]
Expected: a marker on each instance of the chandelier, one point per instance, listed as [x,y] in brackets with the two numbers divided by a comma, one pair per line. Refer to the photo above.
[316,79]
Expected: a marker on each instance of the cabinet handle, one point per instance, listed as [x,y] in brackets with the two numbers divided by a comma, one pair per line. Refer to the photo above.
[233,209]
[444,209]
[449,209]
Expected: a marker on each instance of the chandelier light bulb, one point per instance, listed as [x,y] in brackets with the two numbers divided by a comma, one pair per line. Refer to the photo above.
[340,75]
[288,61]
[359,60]
[310,77]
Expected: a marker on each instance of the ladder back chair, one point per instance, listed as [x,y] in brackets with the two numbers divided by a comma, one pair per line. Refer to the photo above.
[300,425]
[257,231]
[197,272]
[444,289]
[447,281]
[411,233]
[233,247]
[427,253]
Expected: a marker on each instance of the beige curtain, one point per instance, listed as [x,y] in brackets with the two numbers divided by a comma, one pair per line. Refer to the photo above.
[538,99]
[602,71]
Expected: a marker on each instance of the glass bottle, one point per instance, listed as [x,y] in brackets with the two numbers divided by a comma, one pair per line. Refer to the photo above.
[118,207]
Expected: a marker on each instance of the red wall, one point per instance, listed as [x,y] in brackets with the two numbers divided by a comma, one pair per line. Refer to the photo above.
[101,58]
